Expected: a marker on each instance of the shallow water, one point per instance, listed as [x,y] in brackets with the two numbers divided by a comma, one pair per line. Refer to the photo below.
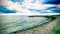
[11,23]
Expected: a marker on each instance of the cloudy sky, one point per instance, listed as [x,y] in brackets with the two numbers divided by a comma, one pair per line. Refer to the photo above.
[26,6]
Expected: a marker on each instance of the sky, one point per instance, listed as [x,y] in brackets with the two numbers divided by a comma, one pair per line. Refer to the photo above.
[29,6]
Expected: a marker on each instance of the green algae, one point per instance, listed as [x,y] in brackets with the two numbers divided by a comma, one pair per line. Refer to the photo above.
[56,30]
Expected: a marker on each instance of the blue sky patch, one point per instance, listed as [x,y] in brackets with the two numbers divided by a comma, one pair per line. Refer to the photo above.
[5,10]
